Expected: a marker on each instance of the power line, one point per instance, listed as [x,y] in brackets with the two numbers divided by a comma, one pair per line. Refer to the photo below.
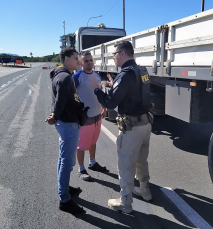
[111,8]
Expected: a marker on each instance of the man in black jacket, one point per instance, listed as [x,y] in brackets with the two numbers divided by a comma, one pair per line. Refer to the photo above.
[64,115]
[130,96]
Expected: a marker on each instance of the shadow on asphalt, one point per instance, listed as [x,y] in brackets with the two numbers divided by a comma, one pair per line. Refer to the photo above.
[115,176]
[134,220]
[108,184]
[201,204]
[193,138]
[112,121]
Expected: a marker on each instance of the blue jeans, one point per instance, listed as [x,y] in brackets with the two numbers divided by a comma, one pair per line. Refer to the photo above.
[68,141]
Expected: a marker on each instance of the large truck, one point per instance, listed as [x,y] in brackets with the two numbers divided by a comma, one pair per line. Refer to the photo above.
[179,59]
[7,60]
[86,37]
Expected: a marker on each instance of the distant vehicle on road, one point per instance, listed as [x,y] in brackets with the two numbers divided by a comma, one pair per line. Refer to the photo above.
[6,60]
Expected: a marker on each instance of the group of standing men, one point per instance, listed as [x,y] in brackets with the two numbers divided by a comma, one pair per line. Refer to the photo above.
[130,95]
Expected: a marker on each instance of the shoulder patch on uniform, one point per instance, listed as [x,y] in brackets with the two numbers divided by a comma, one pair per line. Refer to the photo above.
[145,78]
[127,69]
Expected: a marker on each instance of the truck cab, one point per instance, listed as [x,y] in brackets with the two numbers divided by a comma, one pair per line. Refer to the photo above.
[86,37]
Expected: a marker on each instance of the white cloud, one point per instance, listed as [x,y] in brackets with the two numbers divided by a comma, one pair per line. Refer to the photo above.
[1,48]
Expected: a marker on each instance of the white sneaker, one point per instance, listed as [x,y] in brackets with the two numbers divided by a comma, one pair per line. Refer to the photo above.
[143,191]
[117,205]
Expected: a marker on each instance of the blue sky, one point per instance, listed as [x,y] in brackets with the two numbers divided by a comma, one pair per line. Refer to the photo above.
[36,26]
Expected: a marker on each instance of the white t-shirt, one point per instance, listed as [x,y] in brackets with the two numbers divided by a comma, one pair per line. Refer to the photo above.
[86,92]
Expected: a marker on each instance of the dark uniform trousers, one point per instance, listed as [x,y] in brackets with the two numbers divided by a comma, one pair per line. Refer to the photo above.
[133,150]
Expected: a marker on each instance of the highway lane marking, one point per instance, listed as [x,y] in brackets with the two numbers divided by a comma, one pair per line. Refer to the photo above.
[108,133]
[7,70]
[7,197]
[4,85]
[4,94]
[6,89]
[13,80]
[5,73]
[191,214]
[25,133]
[30,92]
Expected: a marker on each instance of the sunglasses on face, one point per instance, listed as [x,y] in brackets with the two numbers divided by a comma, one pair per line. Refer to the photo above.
[84,52]
[114,53]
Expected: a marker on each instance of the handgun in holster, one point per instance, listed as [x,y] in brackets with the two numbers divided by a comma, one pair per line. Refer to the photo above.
[124,123]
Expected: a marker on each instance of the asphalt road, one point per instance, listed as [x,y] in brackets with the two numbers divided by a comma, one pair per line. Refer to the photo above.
[28,159]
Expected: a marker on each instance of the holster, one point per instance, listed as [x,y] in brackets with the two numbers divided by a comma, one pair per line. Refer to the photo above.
[126,122]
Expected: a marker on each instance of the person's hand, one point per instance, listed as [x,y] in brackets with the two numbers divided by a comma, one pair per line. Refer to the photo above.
[110,82]
[50,120]
[94,83]
[103,112]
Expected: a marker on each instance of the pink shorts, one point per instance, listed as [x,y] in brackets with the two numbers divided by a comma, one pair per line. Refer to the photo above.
[89,135]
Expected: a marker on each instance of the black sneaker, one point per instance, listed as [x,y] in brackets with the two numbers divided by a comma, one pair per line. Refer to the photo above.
[84,175]
[97,167]
[73,190]
[70,207]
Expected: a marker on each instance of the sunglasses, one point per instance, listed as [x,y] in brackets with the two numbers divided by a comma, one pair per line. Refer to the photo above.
[114,53]
[84,52]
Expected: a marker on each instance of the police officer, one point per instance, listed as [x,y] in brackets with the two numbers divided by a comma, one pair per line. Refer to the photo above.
[130,95]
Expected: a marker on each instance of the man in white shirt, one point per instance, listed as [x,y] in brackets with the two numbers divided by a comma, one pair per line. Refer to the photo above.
[89,133]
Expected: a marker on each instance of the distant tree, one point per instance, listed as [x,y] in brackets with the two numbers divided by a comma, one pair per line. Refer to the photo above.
[36,59]
[56,58]
[31,54]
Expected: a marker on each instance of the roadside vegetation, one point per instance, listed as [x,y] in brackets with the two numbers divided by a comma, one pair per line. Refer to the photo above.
[49,58]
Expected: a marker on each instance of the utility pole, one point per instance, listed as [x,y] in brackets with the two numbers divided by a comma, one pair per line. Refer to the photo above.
[64,26]
[124,14]
[202,6]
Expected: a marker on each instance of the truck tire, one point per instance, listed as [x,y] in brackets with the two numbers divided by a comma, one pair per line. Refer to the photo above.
[210,157]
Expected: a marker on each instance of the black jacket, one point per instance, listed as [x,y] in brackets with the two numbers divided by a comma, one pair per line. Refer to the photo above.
[125,92]
[64,98]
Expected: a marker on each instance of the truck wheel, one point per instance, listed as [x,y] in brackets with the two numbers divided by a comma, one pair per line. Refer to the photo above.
[210,157]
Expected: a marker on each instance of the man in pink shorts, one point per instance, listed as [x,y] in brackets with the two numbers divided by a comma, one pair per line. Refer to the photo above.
[89,133]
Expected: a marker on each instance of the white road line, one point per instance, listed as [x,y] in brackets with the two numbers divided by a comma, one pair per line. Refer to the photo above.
[190,213]
[13,80]
[7,198]
[25,133]
[30,92]
[108,133]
